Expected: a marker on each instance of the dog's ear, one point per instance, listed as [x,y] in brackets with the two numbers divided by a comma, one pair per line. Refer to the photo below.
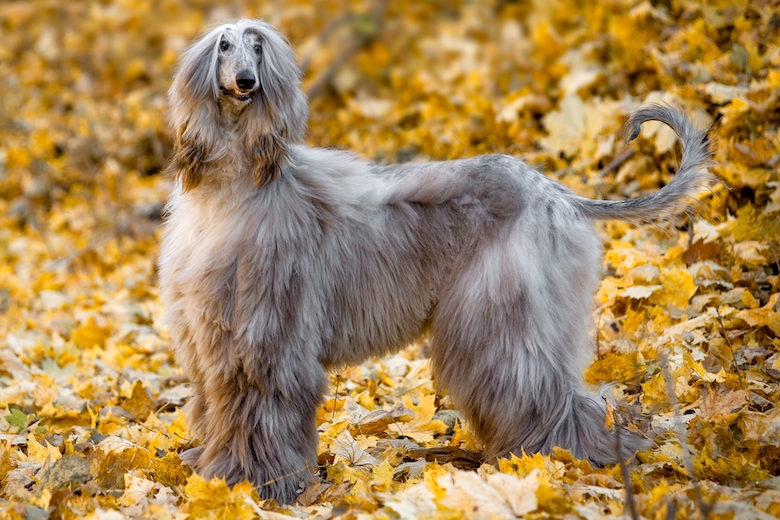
[269,154]
[279,116]
[187,164]
[196,75]
[193,113]
[283,101]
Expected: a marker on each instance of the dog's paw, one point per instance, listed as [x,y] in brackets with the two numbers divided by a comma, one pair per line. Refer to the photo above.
[191,456]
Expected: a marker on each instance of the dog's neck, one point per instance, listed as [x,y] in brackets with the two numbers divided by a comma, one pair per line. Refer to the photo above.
[229,179]
[232,154]
[230,171]
[231,110]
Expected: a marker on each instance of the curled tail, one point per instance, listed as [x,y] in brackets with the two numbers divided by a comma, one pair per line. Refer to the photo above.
[690,177]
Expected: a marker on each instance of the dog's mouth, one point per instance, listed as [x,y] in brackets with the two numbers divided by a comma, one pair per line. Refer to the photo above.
[238,95]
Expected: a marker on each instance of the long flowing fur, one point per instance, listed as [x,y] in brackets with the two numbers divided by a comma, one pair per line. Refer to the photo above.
[320,260]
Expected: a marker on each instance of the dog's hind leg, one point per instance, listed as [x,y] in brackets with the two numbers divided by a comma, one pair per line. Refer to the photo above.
[510,338]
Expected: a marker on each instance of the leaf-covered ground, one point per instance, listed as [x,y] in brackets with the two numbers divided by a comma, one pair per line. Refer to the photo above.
[688,328]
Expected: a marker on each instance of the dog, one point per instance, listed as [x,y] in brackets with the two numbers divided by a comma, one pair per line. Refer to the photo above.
[279,262]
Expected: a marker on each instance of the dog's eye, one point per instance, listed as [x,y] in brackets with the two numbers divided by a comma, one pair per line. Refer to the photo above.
[224,45]
[257,48]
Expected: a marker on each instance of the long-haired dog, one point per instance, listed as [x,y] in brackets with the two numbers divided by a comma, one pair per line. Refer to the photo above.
[280,261]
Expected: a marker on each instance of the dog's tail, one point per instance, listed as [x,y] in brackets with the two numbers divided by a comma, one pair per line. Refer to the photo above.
[690,177]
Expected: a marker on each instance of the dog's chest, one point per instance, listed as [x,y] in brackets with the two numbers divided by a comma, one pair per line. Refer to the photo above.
[245,271]
[199,240]
[218,249]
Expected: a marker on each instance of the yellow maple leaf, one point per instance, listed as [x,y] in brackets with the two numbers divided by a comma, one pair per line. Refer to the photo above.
[382,475]
[170,471]
[613,368]
[360,478]
[431,475]
[139,403]
[679,288]
[654,392]
[463,437]
[38,452]
[90,334]
[214,500]
[751,225]
[423,426]
[763,317]
[522,466]
[178,429]
[634,320]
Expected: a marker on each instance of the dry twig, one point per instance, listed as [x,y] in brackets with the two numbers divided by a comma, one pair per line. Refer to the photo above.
[731,348]
[680,430]
[617,162]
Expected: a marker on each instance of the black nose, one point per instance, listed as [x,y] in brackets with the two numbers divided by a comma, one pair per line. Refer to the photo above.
[245,79]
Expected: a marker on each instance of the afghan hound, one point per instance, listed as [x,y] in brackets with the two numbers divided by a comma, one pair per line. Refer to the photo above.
[280,261]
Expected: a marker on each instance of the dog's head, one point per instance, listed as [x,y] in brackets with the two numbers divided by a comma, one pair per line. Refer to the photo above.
[241,74]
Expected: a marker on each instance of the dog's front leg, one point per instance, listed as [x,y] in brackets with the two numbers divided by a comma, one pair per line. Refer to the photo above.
[261,430]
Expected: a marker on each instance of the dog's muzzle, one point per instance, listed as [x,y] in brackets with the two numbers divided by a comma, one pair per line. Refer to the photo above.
[246,86]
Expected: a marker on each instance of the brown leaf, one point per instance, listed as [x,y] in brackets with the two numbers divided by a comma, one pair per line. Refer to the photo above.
[140,403]
[700,251]
[112,458]
[716,406]
[460,458]
[67,472]
[312,492]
